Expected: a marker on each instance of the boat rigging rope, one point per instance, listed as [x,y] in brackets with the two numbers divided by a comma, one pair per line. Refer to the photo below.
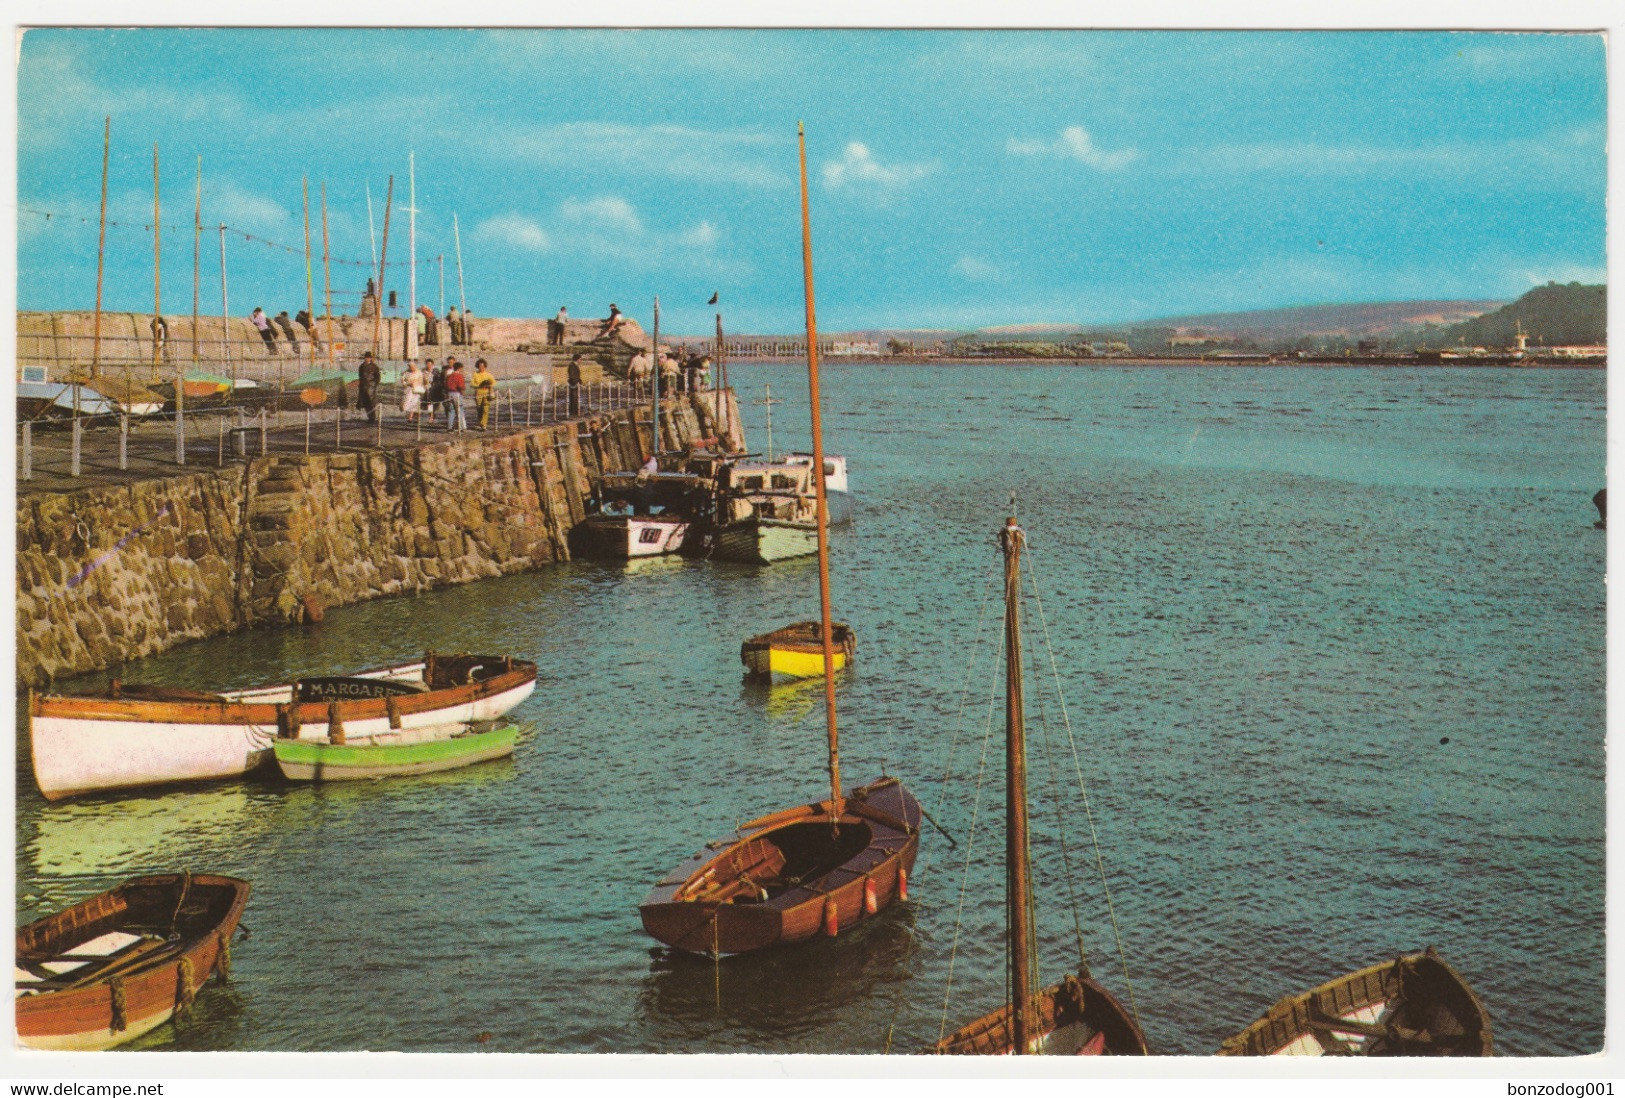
[970,841]
[1088,812]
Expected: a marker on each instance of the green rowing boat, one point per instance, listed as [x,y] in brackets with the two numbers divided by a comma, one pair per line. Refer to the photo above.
[389,756]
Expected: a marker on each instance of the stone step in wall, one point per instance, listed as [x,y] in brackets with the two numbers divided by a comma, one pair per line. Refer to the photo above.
[110,574]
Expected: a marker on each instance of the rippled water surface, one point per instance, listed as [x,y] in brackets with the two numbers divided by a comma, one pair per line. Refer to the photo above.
[1331,646]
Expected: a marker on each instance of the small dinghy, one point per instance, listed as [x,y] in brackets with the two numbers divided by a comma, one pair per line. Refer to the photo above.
[796,651]
[124,962]
[1415,1005]
[393,754]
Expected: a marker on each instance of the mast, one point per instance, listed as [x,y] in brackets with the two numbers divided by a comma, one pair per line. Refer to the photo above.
[225,313]
[719,386]
[654,355]
[412,248]
[457,239]
[1017,882]
[378,313]
[197,257]
[101,251]
[327,279]
[836,803]
[157,254]
[310,285]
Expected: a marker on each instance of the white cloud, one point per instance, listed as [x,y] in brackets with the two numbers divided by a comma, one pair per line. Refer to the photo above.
[976,270]
[514,230]
[238,207]
[858,168]
[608,212]
[1074,143]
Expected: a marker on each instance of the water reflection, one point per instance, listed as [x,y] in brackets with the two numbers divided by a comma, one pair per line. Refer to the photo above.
[790,999]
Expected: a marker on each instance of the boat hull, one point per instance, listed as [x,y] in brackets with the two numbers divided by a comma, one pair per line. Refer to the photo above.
[301,760]
[628,538]
[796,651]
[1415,1005]
[1076,1017]
[707,905]
[114,1011]
[763,541]
[85,744]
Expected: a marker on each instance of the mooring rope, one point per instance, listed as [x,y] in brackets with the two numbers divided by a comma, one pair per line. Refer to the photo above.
[1083,791]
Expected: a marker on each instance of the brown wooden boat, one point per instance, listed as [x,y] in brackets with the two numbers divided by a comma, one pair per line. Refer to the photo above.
[124,962]
[788,877]
[815,868]
[1076,1016]
[796,650]
[1415,1005]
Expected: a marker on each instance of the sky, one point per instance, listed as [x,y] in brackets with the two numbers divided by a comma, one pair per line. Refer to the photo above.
[959,179]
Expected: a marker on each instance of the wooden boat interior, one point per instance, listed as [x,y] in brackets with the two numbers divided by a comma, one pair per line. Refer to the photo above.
[1076,1017]
[772,862]
[117,933]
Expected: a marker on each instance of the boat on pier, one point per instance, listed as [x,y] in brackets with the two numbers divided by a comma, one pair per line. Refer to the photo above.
[1414,1005]
[393,754]
[124,962]
[132,735]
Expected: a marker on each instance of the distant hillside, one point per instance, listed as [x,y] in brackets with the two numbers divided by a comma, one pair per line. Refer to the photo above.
[1551,316]
[1369,320]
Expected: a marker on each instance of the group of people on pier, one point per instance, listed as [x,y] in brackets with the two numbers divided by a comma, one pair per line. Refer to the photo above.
[677,374]
[267,328]
[427,389]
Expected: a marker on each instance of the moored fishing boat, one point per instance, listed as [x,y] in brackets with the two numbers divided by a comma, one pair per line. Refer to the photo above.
[133,735]
[1076,1016]
[642,514]
[766,511]
[837,491]
[123,962]
[814,868]
[1414,1005]
[393,754]
[796,650]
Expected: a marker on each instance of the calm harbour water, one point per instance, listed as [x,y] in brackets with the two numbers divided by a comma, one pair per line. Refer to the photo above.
[1331,642]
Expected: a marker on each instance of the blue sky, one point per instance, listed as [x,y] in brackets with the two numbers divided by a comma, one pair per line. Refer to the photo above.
[959,179]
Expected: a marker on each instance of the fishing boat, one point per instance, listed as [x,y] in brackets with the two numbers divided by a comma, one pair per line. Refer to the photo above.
[1076,1016]
[766,511]
[796,650]
[642,514]
[814,868]
[836,489]
[1414,1005]
[393,754]
[124,962]
[132,735]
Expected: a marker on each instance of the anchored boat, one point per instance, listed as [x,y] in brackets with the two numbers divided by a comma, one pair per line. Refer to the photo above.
[133,735]
[1076,1016]
[393,754]
[1415,1005]
[814,868]
[796,650]
[643,514]
[124,962]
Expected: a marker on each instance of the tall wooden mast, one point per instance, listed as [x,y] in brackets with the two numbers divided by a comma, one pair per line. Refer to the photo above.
[836,803]
[101,252]
[1017,879]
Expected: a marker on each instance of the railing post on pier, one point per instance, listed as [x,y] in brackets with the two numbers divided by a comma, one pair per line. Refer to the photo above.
[78,436]
[220,455]
[308,413]
[124,441]
[28,451]
[180,435]
[338,428]
[379,412]
[529,389]
[263,440]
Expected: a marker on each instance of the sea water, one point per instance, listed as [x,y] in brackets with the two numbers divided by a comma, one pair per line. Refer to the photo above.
[1325,646]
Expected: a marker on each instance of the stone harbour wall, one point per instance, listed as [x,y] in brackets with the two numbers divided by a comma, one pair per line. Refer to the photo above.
[110,574]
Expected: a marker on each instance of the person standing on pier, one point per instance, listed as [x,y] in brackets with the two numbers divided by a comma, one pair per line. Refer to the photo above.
[485,392]
[259,320]
[437,390]
[573,377]
[367,388]
[160,338]
[637,371]
[308,323]
[455,384]
[555,328]
[611,324]
[415,384]
[286,325]
[669,373]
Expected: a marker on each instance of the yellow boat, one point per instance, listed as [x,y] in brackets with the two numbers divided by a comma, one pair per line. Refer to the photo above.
[796,651]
